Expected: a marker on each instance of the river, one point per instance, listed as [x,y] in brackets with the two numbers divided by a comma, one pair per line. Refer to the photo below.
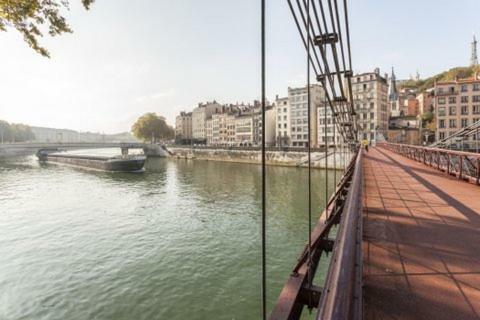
[178,241]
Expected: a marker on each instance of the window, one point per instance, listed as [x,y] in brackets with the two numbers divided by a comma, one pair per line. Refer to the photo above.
[372,105]
[452,100]
[284,117]
[441,135]
[476,98]
[372,115]
[464,110]
[476,86]
[441,100]
[452,123]
[452,111]
[464,88]
[364,116]
[464,123]
[441,124]
[476,110]
[464,99]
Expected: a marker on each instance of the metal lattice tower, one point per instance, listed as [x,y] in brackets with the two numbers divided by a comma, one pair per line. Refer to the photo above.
[474,57]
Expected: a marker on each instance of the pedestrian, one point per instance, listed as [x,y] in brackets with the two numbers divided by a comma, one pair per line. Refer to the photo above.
[365,144]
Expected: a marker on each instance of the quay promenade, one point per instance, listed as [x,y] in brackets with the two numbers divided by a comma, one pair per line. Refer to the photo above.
[421,241]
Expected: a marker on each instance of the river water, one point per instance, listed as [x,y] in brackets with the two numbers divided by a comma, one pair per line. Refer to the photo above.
[178,241]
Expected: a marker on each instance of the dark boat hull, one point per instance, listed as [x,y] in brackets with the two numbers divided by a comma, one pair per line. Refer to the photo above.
[98,163]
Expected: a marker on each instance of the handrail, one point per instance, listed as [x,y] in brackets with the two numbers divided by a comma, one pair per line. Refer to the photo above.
[344,207]
[342,298]
[463,165]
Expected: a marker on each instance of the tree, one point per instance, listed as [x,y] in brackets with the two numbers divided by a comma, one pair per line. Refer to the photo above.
[152,127]
[15,132]
[27,16]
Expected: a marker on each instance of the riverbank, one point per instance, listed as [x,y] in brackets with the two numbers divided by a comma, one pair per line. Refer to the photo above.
[274,158]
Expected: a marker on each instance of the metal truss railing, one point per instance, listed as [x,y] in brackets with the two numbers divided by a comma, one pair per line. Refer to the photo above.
[341,294]
[463,165]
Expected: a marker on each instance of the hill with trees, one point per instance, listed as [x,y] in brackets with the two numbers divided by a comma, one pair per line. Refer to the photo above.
[450,75]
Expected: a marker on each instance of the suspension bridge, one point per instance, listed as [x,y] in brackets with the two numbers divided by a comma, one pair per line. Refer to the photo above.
[400,233]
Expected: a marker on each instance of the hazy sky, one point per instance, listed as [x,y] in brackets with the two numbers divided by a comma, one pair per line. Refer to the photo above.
[127,57]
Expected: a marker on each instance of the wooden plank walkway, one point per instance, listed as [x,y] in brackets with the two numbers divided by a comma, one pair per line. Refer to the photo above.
[421,242]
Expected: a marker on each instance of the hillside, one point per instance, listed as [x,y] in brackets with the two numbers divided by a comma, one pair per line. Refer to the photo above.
[461,72]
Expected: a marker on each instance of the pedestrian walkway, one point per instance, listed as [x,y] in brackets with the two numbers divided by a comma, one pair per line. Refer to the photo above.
[421,242]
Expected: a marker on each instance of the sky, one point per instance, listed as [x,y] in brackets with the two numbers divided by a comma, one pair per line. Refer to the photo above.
[126,58]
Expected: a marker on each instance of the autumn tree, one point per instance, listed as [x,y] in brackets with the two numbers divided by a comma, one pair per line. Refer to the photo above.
[29,16]
[151,127]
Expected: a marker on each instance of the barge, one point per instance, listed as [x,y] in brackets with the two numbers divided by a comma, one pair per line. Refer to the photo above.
[124,163]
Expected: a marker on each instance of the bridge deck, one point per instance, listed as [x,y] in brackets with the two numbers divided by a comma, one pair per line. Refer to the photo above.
[421,241]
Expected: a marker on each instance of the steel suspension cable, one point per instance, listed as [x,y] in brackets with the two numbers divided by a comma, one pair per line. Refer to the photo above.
[309,160]
[326,157]
[264,193]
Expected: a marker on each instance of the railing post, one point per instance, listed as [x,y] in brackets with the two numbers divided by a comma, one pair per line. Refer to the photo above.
[448,163]
[438,160]
[460,168]
[478,171]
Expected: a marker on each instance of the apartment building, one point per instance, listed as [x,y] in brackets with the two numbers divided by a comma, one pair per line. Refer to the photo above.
[282,128]
[183,128]
[371,104]
[244,130]
[209,131]
[457,105]
[426,101]
[327,131]
[200,115]
[297,98]
[223,128]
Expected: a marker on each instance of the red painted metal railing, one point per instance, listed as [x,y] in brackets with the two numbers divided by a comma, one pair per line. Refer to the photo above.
[463,165]
[341,294]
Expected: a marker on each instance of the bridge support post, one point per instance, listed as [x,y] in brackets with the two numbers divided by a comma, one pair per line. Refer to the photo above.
[460,168]
[478,171]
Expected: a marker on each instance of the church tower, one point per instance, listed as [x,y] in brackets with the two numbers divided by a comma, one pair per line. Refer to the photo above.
[474,57]
[393,96]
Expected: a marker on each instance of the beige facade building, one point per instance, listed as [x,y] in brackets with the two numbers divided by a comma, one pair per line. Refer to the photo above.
[326,129]
[297,98]
[209,131]
[426,101]
[457,105]
[183,127]
[282,128]
[244,130]
[200,115]
[371,104]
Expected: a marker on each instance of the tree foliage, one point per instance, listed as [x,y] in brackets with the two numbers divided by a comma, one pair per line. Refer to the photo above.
[150,126]
[15,132]
[449,75]
[28,16]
